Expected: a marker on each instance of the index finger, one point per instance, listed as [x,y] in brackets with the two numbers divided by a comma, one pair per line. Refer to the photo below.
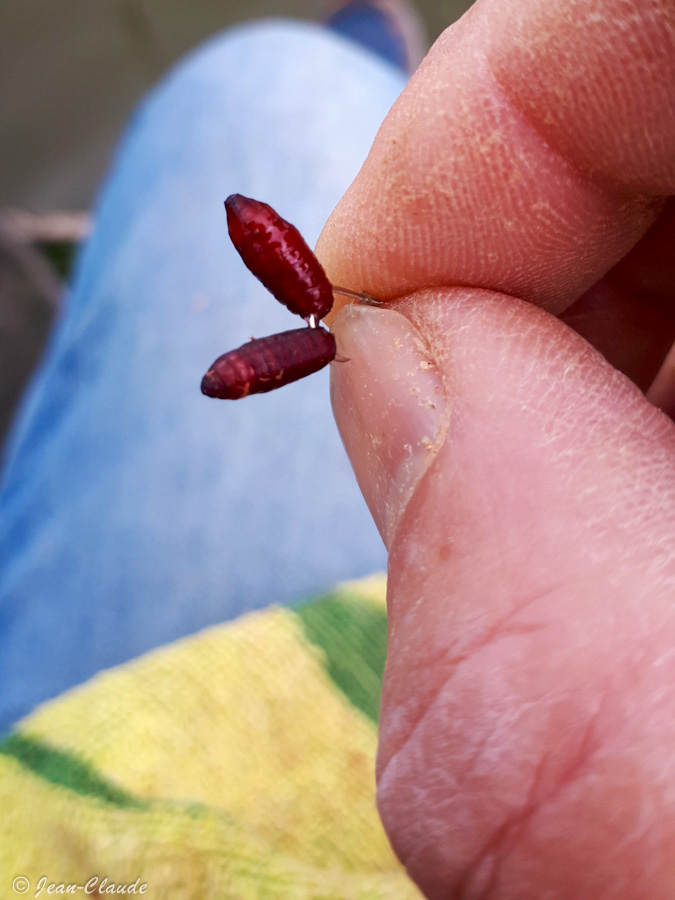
[528,154]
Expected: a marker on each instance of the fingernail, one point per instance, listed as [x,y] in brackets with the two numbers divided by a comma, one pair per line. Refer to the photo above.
[390,407]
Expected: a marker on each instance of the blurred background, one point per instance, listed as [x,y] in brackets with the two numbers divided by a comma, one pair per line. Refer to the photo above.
[72,72]
[238,761]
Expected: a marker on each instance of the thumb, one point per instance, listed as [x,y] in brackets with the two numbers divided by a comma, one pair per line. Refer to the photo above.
[525,491]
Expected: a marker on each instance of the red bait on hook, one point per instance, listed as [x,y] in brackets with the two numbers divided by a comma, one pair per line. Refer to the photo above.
[268,363]
[277,254]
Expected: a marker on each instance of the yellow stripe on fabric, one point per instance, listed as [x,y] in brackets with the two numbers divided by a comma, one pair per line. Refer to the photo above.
[242,717]
[182,854]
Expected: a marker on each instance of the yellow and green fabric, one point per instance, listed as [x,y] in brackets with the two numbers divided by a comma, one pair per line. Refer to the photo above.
[238,763]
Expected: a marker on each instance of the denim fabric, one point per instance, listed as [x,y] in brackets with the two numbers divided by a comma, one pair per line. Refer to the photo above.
[366,23]
[134,510]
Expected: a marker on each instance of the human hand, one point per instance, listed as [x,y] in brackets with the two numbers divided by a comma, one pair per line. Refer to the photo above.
[524,487]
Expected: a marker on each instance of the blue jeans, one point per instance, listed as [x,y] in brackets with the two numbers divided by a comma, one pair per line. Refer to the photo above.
[134,510]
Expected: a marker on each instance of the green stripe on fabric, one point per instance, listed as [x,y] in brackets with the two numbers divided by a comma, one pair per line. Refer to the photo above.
[352,632]
[65,769]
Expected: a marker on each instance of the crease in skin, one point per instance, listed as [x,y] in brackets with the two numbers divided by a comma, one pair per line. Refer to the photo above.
[483,871]
[392,407]
[621,143]
[643,207]
[480,875]
[453,657]
[432,446]
[611,190]
[412,472]
[550,779]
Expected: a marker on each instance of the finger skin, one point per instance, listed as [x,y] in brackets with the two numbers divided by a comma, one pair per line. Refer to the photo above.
[528,712]
[469,180]
[595,78]
[528,715]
